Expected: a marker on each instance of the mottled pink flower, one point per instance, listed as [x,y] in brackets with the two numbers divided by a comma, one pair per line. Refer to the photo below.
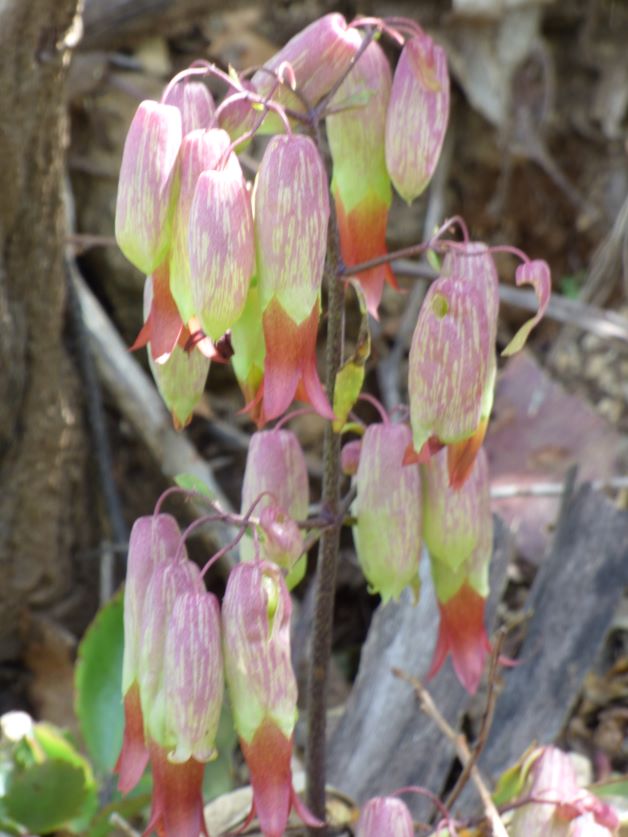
[291,217]
[275,464]
[201,150]
[154,540]
[256,640]
[417,115]
[452,361]
[146,190]
[385,816]
[458,532]
[387,508]
[194,101]
[222,248]
[360,183]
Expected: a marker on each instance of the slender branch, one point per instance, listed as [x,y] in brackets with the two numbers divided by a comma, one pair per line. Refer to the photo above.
[487,720]
[329,542]
[462,749]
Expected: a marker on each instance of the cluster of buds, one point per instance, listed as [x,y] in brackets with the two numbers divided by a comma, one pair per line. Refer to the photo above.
[176,640]
[172,679]
[236,268]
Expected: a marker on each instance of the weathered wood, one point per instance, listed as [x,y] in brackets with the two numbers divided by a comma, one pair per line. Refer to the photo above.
[384,741]
[571,603]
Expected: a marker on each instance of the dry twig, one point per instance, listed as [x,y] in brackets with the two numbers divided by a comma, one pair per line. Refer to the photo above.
[462,749]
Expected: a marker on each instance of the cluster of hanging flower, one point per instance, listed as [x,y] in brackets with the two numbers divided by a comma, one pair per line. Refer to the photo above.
[224,257]
[234,273]
[179,648]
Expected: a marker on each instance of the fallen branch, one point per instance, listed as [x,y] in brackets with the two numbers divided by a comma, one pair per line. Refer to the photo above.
[462,749]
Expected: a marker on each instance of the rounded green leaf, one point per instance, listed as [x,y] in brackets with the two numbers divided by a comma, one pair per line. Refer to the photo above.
[98,685]
[46,796]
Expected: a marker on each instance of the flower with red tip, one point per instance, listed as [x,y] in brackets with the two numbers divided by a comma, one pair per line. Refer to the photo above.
[162,322]
[360,183]
[291,216]
[417,115]
[221,247]
[195,102]
[179,372]
[458,531]
[275,467]
[256,613]
[559,807]
[180,691]
[147,185]
[193,692]
[385,816]
[451,372]
[201,150]
[154,539]
[387,532]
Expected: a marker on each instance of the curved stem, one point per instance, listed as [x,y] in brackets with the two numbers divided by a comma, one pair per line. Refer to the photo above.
[375,402]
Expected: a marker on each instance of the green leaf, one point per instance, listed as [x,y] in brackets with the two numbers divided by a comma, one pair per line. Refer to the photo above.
[56,746]
[297,573]
[350,376]
[190,482]
[98,680]
[47,796]
[614,788]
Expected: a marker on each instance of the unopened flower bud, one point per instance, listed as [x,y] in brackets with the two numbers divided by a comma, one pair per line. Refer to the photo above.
[317,56]
[451,369]
[360,184]
[201,151]
[275,464]
[291,216]
[385,816]
[417,115]
[350,457]
[168,581]
[154,540]
[387,533]
[222,248]
[283,541]
[256,640]
[146,190]
[193,674]
[194,101]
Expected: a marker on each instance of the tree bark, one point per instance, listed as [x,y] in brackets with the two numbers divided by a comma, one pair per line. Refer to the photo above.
[42,450]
